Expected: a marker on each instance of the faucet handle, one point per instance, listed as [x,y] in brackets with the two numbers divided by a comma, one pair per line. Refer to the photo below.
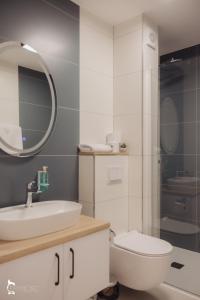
[32,186]
[180,173]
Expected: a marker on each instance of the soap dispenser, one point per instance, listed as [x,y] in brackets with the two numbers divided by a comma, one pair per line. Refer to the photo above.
[43,180]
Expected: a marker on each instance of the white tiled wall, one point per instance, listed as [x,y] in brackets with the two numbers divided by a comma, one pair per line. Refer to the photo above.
[135,175]
[130,127]
[94,127]
[86,179]
[128,106]
[127,56]
[96,79]
[111,197]
[124,88]
[114,211]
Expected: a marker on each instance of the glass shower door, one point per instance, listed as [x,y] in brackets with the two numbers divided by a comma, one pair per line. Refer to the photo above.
[180,164]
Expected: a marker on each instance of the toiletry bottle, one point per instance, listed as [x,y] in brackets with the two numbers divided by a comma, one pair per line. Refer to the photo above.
[43,181]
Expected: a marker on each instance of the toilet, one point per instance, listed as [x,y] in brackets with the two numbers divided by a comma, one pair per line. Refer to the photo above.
[139,261]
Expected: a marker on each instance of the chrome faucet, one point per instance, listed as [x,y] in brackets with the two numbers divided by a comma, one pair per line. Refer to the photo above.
[39,185]
[32,188]
[182,173]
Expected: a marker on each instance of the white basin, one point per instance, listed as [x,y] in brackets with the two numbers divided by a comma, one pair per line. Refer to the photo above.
[19,222]
[183,180]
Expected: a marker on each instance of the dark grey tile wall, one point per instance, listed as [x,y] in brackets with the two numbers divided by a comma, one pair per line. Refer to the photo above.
[52,28]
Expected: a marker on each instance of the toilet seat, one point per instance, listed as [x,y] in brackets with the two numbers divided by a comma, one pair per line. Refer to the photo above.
[142,244]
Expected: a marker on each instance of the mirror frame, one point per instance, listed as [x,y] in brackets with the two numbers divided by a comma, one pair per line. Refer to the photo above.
[38,147]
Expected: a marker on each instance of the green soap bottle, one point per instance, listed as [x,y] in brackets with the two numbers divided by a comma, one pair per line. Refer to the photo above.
[43,180]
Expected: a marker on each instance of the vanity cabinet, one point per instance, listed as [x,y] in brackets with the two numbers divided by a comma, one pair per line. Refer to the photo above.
[73,271]
[86,266]
[33,277]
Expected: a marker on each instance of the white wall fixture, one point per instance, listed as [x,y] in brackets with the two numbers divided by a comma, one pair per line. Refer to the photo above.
[114,174]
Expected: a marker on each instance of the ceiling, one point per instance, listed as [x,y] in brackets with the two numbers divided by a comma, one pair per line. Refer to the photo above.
[178,20]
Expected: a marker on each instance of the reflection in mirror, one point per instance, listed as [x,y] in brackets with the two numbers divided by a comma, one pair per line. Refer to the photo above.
[27,100]
[170,126]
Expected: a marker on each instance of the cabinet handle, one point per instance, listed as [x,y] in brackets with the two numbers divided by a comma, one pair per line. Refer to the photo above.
[58,278]
[72,252]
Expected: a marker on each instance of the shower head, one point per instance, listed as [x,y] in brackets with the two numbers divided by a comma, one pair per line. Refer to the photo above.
[173,60]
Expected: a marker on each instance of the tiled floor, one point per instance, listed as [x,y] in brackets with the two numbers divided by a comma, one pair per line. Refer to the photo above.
[164,292]
[127,294]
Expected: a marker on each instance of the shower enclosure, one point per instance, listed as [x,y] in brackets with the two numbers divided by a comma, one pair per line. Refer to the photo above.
[180,164]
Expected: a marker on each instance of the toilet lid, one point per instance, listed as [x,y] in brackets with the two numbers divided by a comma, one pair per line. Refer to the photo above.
[143,244]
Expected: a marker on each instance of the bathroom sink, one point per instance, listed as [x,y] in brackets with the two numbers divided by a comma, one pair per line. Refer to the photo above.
[181,182]
[19,222]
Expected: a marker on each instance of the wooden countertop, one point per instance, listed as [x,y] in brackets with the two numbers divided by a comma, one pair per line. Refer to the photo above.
[10,250]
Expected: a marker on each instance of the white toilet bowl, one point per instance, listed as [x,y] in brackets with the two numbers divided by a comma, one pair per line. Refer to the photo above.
[139,261]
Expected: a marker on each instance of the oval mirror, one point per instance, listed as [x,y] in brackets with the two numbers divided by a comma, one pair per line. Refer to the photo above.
[170,126]
[27,100]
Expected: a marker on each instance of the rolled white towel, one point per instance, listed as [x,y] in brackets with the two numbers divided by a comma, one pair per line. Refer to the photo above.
[11,138]
[101,148]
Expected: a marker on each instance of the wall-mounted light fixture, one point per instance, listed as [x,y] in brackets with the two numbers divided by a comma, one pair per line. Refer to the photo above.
[29,48]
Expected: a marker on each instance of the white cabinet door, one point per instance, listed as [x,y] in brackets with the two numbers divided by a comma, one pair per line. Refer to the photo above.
[36,276]
[86,266]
